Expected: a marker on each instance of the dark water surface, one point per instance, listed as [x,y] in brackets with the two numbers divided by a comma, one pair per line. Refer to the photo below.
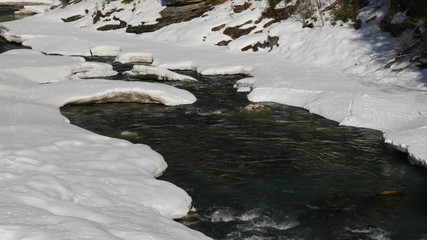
[280,174]
[7,13]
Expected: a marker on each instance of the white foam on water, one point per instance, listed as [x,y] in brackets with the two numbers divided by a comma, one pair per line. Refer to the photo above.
[372,233]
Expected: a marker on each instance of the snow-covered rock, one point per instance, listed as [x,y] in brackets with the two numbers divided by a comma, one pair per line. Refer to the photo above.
[160,73]
[134,57]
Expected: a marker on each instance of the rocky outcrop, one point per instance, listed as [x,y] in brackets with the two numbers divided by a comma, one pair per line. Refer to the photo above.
[177,3]
[242,7]
[108,27]
[176,11]
[255,108]
[407,20]
[239,30]
[269,43]
[73,18]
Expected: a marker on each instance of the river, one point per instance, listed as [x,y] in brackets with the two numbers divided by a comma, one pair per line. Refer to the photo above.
[282,173]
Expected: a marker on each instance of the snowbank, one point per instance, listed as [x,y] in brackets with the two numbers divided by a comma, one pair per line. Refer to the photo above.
[27,2]
[160,73]
[62,182]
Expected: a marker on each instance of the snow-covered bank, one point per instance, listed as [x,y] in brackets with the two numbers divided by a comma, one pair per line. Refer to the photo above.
[61,182]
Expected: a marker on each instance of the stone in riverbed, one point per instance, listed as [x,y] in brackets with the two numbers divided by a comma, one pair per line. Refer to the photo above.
[131,136]
[257,108]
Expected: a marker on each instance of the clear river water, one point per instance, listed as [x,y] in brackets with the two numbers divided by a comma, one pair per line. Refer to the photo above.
[278,174]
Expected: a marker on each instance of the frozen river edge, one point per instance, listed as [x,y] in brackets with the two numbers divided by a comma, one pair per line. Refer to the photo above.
[57,178]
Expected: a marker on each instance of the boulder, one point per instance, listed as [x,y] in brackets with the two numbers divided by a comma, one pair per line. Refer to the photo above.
[173,14]
[257,108]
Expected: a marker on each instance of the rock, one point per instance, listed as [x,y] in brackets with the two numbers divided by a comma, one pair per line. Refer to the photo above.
[389,193]
[158,73]
[270,43]
[181,2]
[217,28]
[236,31]
[194,216]
[279,14]
[255,108]
[223,42]
[273,41]
[131,136]
[72,18]
[172,14]
[244,49]
[241,8]
[129,97]
[108,27]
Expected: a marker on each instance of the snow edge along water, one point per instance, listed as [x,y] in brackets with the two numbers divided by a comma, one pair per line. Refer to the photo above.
[57,178]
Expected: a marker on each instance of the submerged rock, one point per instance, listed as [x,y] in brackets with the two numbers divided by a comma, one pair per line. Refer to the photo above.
[194,216]
[255,108]
[131,136]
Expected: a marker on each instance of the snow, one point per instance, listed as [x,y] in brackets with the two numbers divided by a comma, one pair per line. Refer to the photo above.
[399,17]
[28,2]
[105,50]
[333,71]
[57,178]
[161,73]
[93,70]
[134,57]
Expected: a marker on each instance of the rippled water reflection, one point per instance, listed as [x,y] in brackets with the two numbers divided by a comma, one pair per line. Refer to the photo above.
[282,174]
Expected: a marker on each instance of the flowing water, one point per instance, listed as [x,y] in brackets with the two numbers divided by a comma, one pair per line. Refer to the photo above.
[7,14]
[278,174]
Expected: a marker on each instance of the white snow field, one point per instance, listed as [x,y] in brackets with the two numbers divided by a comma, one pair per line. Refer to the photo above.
[62,182]
[59,181]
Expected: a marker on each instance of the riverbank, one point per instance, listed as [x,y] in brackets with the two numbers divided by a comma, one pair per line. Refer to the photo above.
[57,178]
